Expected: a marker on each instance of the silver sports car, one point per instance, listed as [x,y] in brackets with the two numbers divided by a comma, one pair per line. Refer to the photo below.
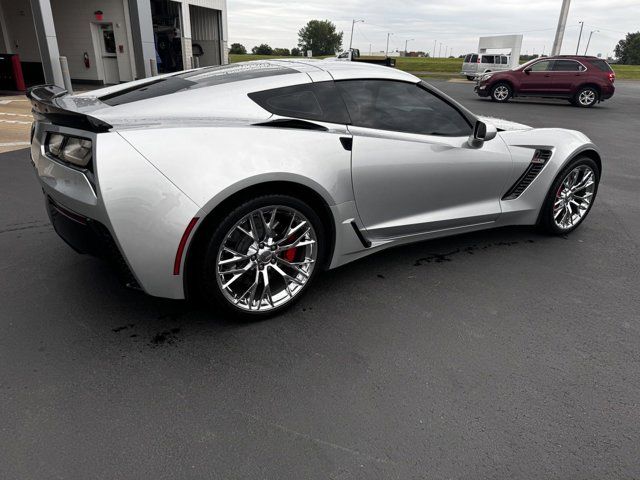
[240,183]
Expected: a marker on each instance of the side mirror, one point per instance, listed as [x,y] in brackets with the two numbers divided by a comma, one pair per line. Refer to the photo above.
[482,132]
[527,70]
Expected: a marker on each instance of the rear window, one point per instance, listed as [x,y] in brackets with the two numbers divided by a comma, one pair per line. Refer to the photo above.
[467,59]
[474,58]
[204,77]
[601,65]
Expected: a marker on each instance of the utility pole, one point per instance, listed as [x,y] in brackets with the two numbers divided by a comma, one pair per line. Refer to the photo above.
[353,23]
[405,45]
[579,36]
[369,49]
[435,42]
[589,41]
[562,23]
[386,54]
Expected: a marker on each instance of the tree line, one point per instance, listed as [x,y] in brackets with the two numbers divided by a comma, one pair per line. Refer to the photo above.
[319,36]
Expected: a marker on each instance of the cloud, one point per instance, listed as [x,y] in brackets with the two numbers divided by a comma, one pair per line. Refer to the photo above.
[455,23]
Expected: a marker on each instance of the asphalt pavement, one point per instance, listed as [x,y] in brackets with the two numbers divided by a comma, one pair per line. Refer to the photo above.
[502,354]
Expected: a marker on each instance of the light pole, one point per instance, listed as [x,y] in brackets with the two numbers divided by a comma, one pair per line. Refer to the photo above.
[589,41]
[353,23]
[435,42]
[562,23]
[579,36]
[405,45]
[386,53]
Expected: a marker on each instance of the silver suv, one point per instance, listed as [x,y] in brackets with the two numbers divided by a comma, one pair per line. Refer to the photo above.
[476,64]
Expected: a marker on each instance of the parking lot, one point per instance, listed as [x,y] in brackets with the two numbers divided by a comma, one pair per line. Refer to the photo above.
[501,354]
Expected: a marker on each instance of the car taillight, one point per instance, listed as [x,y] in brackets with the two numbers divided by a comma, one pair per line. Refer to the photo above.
[612,77]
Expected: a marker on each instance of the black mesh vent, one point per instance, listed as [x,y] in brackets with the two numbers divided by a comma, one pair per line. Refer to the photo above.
[540,158]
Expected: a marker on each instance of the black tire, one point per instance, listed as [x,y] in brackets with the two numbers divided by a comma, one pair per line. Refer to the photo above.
[208,286]
[586,97]
[471,78]
[546,219]
[501,92]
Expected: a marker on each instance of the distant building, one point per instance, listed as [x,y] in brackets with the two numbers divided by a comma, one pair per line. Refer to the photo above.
[112,41]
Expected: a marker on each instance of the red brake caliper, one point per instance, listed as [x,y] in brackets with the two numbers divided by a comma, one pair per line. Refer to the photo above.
[290,255]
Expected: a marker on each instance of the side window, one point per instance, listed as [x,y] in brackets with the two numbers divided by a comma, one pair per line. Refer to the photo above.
[474,58]
[401,107]
[467,59]
[566,66]
[319,101]
[487,59]
[544,66]
[505,60]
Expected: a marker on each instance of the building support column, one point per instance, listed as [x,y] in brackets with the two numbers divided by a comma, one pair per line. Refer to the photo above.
[144,46]
[185,36]
[47,41]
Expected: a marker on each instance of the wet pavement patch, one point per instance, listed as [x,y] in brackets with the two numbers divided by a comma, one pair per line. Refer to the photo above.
[470,250]
[123,327]
[166,337]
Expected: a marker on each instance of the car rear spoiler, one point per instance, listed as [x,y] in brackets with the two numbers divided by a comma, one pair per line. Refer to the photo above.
[43,100]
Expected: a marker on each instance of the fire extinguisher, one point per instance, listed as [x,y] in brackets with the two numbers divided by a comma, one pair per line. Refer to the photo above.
[87,62]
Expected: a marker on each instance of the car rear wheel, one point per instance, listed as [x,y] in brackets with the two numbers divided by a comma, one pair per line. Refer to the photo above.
[586,97]
[571,197]
[501,92]
[470,77]
[262,256]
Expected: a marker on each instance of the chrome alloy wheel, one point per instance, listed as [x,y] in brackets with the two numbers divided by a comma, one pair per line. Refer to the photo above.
[587,97]
[574,197]
[266,258]
[501,92]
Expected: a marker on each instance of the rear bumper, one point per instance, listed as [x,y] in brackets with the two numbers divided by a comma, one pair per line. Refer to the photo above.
[607,92]
[86,235]
[125,210]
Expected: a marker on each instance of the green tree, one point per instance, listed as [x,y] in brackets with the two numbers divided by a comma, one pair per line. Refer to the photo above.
[320,37]
[295,52]
[237,49]
[628,49]
[262,49]
[281,52]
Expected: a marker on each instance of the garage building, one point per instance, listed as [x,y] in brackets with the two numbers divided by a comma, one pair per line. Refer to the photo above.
[112,41]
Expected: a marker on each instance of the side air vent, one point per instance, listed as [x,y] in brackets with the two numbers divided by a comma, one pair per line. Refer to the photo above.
[539,160]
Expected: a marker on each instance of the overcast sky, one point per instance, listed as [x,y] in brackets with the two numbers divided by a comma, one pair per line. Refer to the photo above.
[455,23]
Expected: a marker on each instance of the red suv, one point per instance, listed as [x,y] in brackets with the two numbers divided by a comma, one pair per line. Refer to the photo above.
[583,81]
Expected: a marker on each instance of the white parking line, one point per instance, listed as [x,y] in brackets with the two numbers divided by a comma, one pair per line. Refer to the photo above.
[14,144]
[15,121]
[15,114]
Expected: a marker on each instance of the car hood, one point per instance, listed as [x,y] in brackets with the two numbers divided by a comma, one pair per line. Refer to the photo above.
[504,125]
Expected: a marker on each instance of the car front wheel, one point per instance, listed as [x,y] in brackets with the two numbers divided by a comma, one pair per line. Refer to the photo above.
[586,97]
[571,197]
[501,92]
[262,256]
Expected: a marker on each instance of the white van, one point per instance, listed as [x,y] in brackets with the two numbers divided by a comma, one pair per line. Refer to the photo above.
[476,64]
